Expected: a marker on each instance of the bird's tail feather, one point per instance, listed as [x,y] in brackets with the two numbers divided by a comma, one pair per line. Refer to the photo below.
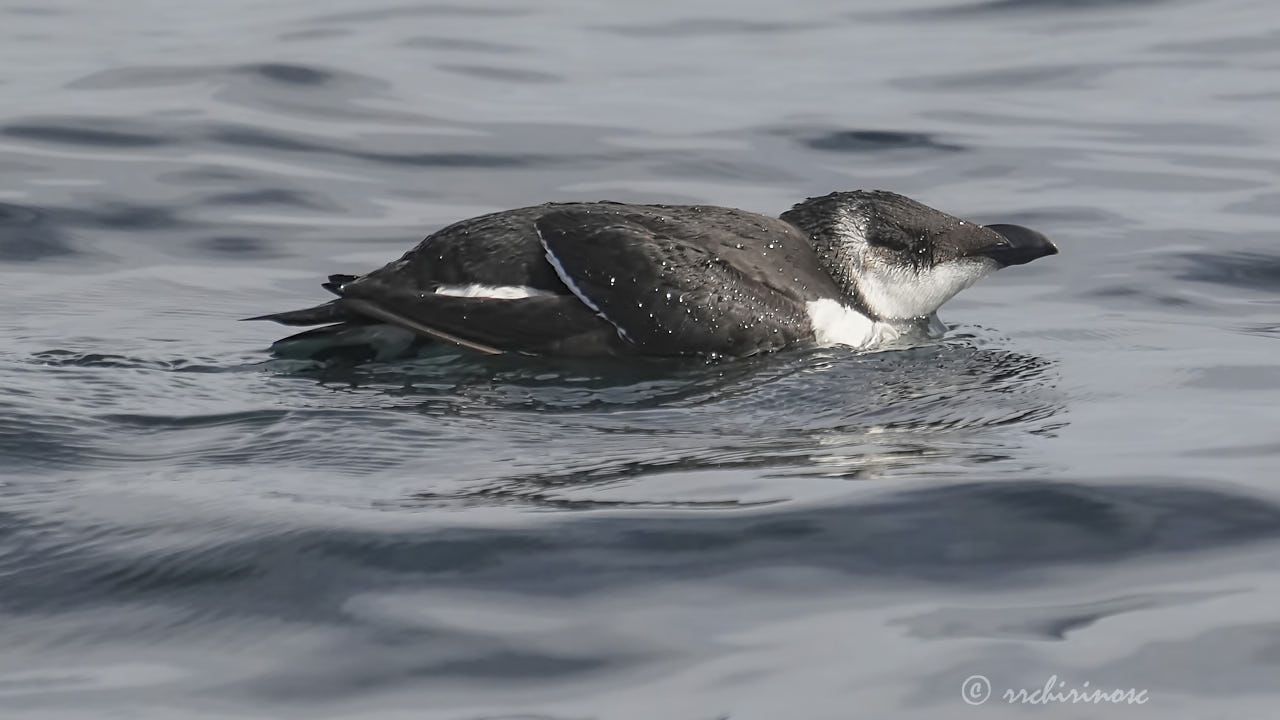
[352,341]
[318,315]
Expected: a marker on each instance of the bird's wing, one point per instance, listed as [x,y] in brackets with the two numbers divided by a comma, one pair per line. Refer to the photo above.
[666,288]
[554,324]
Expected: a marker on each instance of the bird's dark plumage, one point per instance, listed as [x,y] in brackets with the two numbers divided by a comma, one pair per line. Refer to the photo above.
[613,279]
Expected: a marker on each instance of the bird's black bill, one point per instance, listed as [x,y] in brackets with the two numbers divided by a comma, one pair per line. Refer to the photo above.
[1021,245]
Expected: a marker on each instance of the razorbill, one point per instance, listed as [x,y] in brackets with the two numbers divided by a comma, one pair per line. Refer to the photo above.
[602,278]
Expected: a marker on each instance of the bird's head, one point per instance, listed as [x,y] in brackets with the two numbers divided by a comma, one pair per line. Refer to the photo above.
[901,260]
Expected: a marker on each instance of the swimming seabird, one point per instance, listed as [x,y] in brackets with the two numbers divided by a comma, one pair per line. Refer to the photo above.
[855,268]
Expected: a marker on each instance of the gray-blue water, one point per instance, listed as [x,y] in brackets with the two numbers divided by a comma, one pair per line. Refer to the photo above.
[1080,482]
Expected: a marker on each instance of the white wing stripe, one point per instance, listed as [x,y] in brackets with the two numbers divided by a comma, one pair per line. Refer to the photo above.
[573,288]
[492,292]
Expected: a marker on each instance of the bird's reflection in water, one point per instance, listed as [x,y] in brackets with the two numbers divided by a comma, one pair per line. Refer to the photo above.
[578,432]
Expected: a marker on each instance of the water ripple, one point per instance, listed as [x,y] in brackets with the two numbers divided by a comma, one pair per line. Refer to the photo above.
[28,234]
[860,141]
[80,132]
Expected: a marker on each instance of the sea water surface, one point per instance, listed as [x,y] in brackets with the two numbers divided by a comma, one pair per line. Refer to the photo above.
[1079,483]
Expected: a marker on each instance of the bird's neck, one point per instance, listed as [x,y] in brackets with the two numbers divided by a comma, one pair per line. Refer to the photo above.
[835,237]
